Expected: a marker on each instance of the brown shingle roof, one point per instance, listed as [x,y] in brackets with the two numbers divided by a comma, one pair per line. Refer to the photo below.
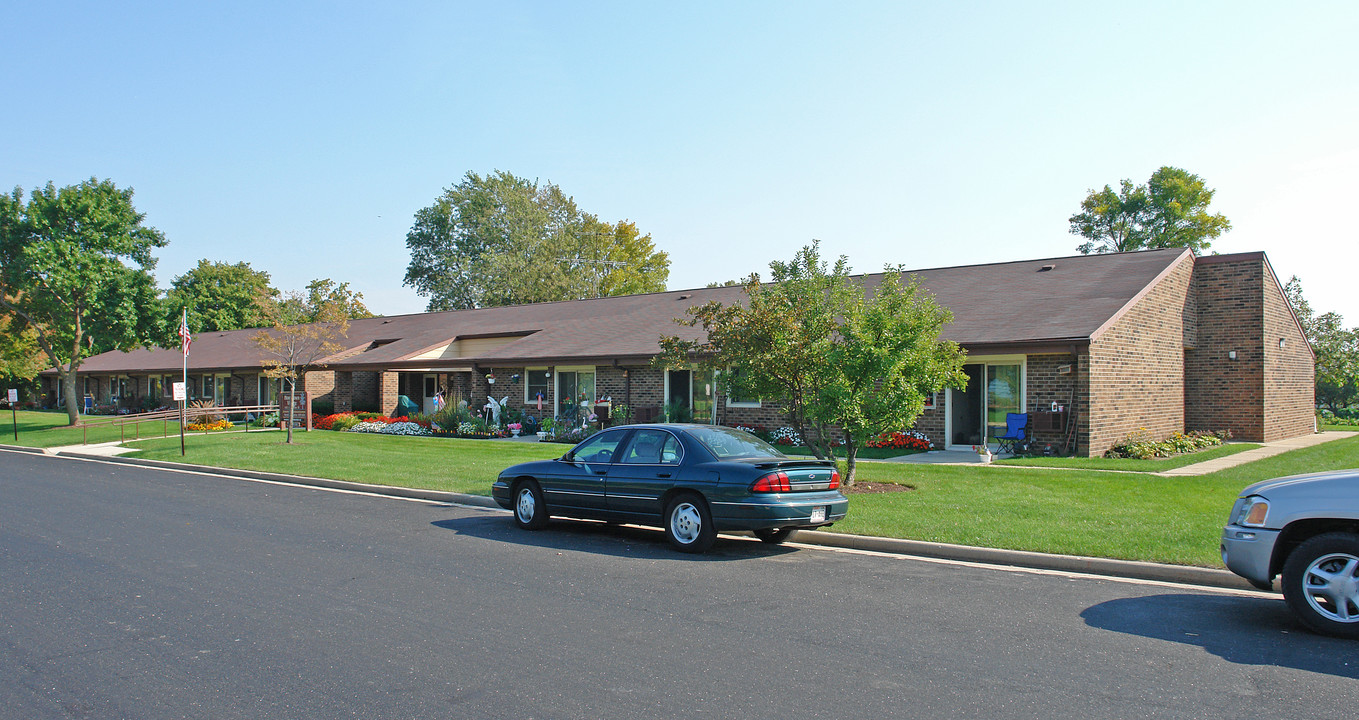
[1015,303]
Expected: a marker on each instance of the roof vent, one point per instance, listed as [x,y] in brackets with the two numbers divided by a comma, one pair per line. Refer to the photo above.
[685,296]
[1046,268]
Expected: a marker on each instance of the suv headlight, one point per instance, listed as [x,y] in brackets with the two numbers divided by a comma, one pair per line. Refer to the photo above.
[1251,511]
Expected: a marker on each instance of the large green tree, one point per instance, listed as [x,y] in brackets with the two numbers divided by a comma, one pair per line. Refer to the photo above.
[218,296]
[836,354]
[1170,210]
[498,239]
[20,357]
[325,297]
[75,267]
[1336,348]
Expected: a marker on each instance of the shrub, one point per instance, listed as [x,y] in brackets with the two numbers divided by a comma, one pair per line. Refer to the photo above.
[1140,446]
[342,423]
[203,412]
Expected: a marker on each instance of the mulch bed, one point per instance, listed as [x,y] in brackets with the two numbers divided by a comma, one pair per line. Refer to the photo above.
[867,488]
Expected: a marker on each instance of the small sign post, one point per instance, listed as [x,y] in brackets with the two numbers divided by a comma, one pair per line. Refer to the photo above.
[182,395]
[13,414]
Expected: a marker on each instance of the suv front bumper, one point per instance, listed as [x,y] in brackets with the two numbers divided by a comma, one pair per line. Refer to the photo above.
[1248,551]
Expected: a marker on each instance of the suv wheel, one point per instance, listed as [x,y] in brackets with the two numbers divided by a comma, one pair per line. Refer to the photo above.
[1321,583]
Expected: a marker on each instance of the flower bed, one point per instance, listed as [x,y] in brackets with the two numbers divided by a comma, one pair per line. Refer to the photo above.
[1139,445]
[911,441]
[395,427]
[223,424]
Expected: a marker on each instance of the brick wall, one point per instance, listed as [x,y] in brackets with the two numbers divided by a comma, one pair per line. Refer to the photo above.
[1222,393]
[1290,368]
[1044,385]
[387,392]
[1137,366]
[320,385]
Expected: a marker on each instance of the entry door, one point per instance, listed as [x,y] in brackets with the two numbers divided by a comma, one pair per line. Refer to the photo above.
[965,408]
[689,396]
[993,391]
[431,387]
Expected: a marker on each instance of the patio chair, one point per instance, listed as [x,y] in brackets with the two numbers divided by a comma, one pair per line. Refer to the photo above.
[1016,432]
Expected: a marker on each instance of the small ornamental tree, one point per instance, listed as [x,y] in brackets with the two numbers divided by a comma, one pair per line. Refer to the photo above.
[836,354]
[299,337]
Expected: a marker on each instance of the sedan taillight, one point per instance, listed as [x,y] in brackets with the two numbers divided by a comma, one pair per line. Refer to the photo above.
[772,482]
[835,479]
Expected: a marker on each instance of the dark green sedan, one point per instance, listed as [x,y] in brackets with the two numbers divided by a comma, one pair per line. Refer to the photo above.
[691,480]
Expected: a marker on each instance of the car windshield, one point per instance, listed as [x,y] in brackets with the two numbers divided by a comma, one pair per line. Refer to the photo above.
[725,443]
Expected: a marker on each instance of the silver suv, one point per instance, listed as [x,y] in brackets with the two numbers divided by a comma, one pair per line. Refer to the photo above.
[1305,528]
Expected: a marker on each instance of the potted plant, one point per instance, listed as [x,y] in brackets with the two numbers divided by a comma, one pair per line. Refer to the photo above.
[514,429]
[983,452]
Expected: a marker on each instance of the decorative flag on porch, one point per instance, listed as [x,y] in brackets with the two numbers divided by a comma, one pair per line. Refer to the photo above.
[185,340]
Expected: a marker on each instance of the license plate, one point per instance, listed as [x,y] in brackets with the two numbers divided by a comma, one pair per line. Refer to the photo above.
[819,514]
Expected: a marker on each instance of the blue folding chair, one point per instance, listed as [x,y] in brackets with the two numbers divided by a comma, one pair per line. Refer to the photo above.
[1016,432]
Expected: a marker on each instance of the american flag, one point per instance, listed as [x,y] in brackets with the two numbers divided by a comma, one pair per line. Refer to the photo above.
[185,340]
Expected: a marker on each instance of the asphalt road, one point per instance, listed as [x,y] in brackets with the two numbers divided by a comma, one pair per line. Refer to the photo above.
[129,592]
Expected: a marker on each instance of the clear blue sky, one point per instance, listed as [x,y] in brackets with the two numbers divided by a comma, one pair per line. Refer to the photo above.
[302,137]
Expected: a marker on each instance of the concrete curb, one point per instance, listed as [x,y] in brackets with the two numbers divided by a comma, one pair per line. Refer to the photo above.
[385,490]
[1181,574]
[21,448]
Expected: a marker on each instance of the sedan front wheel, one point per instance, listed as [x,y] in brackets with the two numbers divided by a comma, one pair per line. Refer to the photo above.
[530,510]
[689,524]
[1321,583]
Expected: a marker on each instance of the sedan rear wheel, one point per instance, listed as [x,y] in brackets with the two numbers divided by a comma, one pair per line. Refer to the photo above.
[1321,583]
[689,524]
[774,536]
[530,510]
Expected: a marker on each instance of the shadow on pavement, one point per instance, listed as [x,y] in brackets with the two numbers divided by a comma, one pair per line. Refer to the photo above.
[1247,631]
[604,539]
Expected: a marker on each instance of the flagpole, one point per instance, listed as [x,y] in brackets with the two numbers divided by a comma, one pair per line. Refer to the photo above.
[184,377]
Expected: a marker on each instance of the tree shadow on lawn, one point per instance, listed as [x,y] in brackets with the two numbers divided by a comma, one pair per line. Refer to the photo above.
[1242,630]
[604,539]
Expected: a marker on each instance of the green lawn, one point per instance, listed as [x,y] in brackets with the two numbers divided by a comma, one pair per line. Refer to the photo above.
[1080,511]
[43,429]
[450,464]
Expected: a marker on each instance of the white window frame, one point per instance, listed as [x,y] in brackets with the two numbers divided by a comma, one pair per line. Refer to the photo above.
[551,399]
[756,403]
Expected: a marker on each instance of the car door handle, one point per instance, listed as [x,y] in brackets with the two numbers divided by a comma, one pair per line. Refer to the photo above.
[662,475]
[601,472]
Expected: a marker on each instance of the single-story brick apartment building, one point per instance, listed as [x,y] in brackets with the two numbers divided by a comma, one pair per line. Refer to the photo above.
[1158,339]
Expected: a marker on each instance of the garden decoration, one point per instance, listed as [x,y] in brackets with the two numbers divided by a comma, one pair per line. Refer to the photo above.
[493,407]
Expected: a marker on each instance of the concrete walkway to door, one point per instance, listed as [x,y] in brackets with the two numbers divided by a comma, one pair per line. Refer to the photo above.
[1269,449]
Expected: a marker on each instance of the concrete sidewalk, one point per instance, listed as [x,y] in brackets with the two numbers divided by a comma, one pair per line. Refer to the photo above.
[1269,449]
